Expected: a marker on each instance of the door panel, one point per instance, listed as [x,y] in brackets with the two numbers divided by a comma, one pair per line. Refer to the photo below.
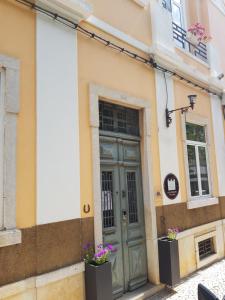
[122,212]
[135,229]
[111,221]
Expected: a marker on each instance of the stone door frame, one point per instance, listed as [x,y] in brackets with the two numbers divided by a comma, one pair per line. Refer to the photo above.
[97,92]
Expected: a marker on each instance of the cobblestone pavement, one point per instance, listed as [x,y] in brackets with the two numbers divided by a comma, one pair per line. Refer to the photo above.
[212,277]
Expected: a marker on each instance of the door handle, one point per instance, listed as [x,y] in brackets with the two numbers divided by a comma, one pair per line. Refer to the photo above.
[124,215]
[123,194]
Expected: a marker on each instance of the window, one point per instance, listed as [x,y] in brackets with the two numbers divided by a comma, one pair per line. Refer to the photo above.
[177,12]
[205,248]
[197,154]
[107,199]
[118,119]
[175,7]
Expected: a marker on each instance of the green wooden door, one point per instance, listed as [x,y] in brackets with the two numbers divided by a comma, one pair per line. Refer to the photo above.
[122,212]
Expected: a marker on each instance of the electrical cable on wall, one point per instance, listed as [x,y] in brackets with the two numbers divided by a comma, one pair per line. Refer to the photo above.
[149,62]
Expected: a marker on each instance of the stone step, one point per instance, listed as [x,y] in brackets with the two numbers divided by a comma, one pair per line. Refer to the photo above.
[143,293]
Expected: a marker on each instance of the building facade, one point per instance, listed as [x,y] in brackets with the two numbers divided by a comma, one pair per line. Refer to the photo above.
[86,151]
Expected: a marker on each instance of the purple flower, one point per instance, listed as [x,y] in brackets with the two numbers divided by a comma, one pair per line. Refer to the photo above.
[87,246]
[110,247]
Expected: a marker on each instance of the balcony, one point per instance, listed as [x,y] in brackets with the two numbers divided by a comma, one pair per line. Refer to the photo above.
[180,36]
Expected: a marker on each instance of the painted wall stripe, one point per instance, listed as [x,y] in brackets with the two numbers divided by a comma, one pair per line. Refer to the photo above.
[167,136]
[58,169]
[219,140]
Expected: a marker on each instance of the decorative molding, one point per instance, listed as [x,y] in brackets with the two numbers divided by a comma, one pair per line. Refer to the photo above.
[188,54]
[10,237]
[198,229]
[96,92]
[60,274]
[203,121]
[118,34]
[10,84]
[76,10]
[201,202]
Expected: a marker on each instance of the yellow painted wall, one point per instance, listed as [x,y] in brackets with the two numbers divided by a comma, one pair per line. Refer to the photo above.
[203,109]
[17,39]
[97,64]
[70,288]
[125,15]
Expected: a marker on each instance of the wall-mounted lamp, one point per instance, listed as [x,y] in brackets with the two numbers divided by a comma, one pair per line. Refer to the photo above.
[192,100]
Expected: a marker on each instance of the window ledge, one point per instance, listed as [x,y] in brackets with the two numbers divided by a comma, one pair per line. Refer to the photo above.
[10,237]
[187,53]
[201,202]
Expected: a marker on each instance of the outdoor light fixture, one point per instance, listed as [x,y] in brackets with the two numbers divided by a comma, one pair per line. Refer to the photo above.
[192,100]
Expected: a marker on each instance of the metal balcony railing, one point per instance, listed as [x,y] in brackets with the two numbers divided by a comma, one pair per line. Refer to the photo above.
[180,36]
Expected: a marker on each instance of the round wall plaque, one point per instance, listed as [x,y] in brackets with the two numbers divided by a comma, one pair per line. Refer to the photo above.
[171,186]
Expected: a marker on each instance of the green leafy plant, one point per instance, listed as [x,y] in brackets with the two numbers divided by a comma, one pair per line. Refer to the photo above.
[172,233]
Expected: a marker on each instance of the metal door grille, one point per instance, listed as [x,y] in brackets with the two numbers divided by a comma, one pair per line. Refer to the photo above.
[205,248]
[107,199]
[119,119]
[132,197]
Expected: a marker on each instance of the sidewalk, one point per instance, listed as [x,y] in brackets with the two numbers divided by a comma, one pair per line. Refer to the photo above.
[213,277]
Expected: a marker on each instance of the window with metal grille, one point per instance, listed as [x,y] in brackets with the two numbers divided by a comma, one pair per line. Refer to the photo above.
[107,199]
[132,197]
[116,118]
[205,248]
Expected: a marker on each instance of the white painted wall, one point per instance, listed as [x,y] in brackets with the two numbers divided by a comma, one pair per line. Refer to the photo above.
[219,140]
[58,169]
[161,23]
[167,136]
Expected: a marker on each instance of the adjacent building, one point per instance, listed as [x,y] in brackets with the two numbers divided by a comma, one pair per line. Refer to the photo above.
[87,155]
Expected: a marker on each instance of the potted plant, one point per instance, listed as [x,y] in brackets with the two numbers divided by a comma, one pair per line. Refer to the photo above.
[197,34]
[98,274]
[169,266]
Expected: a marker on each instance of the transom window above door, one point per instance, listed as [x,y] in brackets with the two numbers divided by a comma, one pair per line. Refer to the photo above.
[197,155]
[118,119]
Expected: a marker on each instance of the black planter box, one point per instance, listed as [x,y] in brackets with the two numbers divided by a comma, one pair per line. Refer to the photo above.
[98,282]
[169,265]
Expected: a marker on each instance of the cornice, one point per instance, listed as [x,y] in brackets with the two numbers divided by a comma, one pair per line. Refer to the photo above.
[76,10]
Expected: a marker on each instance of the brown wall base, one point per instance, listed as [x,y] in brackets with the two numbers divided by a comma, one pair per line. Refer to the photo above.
[177,215]
[45,248]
